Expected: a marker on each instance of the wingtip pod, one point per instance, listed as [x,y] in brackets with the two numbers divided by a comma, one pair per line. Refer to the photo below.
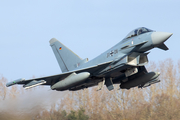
[15,82]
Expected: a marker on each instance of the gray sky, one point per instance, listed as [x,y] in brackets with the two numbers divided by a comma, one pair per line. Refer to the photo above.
[87,27]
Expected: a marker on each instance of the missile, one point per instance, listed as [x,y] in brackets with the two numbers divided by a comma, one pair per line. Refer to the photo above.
[34,83]
[15,82]
[70,81]
[140,80]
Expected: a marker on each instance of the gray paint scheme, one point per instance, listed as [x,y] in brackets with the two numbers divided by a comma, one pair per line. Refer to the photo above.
[122,64]
[65,57]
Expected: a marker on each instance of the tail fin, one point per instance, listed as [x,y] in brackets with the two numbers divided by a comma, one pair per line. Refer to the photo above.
[66,58]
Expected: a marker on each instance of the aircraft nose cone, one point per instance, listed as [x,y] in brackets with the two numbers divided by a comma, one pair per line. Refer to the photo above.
[160,37]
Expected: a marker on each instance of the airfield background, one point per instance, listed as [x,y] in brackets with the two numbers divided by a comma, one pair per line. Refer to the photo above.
[88,28]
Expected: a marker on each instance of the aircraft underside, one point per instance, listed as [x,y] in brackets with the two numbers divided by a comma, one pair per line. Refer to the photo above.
[139,77]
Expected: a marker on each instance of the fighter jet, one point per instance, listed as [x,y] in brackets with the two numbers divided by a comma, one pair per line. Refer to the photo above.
[123,64]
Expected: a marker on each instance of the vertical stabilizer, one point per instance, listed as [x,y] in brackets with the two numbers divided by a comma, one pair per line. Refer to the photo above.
[65,57]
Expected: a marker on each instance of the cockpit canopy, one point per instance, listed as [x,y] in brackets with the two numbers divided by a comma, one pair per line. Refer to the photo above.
[138,31]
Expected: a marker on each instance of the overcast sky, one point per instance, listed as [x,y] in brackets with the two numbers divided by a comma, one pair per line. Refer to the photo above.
[87,27]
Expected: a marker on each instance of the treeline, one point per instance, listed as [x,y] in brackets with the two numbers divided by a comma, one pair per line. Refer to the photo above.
[63,115]
[160,101]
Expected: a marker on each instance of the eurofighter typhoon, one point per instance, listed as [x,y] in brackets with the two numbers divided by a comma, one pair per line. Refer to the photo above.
[123,64]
